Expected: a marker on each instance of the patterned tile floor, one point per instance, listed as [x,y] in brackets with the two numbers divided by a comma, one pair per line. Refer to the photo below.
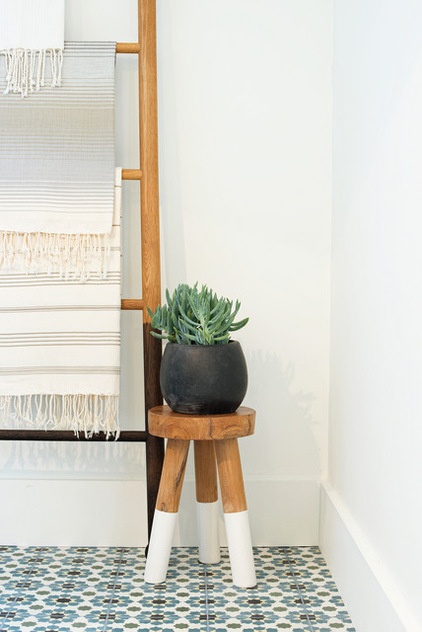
[53,589]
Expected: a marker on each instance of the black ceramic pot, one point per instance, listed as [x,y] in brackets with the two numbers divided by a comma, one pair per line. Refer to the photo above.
[202,379]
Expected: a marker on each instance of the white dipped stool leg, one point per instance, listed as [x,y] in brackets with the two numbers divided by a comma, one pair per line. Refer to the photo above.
[209,544]
[206,502]
[159,548]
[240,549]
[165,514]
[235,513]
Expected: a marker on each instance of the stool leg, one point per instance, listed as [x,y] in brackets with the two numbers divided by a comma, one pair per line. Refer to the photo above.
[207,502]
[235,513]
[166,509]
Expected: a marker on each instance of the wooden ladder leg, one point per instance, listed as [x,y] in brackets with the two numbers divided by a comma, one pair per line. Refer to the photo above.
[207,502]
[154,464]
[235,513]
[153,397]
[165,514]
[150,230]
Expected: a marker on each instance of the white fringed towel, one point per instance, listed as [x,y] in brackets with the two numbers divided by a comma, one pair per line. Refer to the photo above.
[60,347]
[57,167]
[31,41]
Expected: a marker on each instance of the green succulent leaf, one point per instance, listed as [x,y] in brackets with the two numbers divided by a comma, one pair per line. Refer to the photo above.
[195,316]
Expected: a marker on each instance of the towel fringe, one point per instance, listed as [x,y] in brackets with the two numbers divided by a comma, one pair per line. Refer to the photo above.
[72,256]
[25,69]
[89,414]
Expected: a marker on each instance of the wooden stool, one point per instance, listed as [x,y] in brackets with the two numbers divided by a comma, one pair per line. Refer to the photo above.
[215,439]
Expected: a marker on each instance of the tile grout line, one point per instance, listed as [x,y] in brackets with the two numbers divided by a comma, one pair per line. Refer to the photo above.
[206,597]
[303,604]
[255,594]
[113,591]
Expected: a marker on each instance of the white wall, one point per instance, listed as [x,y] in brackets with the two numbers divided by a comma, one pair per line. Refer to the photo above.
[245,166]
[245,128]
[372,520]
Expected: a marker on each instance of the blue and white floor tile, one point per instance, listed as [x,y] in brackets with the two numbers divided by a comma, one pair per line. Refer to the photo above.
[51,589]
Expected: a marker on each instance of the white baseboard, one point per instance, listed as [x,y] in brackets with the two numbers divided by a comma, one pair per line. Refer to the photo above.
[72,513]
[37,512]
[372,598]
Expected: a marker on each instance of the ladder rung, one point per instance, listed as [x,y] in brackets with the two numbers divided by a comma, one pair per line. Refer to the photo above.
[128,47]
[68,435]
[131,174]
[132,303]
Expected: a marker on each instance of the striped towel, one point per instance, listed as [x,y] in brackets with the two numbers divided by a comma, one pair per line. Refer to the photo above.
[60,347]
[31,40]
[60,250]
[57,167]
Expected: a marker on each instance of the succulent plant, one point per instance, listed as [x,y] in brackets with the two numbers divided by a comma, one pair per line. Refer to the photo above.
[196,317]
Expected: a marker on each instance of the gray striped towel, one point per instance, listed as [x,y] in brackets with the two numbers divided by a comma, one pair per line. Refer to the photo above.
[60,347]
[31,40]
[60,250]
[57,167]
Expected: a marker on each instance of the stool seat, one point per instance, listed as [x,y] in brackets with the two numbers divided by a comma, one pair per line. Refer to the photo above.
[163,422]
[215,444]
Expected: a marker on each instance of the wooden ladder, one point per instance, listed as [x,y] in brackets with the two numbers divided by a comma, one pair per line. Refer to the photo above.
[145,49]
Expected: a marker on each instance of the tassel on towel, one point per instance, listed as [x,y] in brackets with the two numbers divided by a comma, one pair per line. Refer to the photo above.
[26,69]
[89,414]
[72,256]
[32,41]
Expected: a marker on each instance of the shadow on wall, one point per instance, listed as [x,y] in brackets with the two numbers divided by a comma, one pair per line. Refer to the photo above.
[285,432]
